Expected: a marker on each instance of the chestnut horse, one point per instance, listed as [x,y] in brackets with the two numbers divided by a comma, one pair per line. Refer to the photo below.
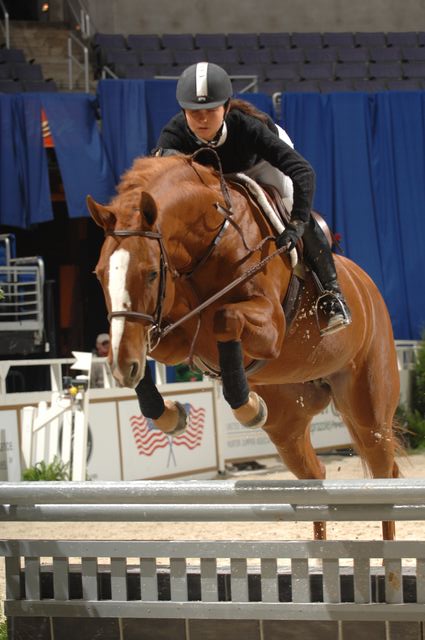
[171,249]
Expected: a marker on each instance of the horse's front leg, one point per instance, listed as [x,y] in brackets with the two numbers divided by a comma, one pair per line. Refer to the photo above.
[259,325]
[168,416]
[248,407]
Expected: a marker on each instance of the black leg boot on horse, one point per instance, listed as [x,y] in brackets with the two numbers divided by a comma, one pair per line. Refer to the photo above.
[169,417]
[248,407]
[331,301]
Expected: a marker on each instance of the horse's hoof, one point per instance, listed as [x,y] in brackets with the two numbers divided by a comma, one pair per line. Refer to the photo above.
[257,404]
[182,421]
[174,419]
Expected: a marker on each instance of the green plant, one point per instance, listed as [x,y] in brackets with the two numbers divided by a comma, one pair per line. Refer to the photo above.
[3,629]
[56,470]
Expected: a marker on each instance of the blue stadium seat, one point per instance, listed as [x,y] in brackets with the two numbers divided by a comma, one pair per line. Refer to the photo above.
[169,70]
[189,56]
[281,55]
[408,84]
[334,86]
[135,71]
[412,54]
[12,55]
[402,39]
[25,71]
[304,40]
[109,41]
[353,54]
[316,70]
[6,70]
[328,54]
[271,86]
[114,57]
[301,86]
[154,57]
[385,70]
[344,70]
[370,39]
[421,38]
[255,56]
[274,40]
[11,86]
[290,71]
[413,70]
[384,54]
[248,70]
[143,41]
[211,41]
[176,41]
[369,86]
[338,39]
[242,40]
[223,57]
[40,86]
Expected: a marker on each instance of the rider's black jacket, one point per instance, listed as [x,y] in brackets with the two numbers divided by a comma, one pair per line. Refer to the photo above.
[248,142]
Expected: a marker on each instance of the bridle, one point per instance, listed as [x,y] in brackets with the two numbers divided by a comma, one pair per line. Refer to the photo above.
[154,319]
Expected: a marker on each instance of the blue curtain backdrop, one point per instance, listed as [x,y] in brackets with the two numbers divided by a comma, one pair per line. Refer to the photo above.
[369,156]
[25,197]
[12,206]
[80,151]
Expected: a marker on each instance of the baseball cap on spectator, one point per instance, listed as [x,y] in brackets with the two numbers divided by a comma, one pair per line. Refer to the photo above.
[102,338]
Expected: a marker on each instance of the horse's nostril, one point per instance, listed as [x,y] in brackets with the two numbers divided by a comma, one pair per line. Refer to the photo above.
[134,369]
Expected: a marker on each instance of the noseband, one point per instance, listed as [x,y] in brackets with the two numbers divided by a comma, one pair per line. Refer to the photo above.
[154,332]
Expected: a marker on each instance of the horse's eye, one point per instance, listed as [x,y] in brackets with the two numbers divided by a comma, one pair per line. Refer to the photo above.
[152,275]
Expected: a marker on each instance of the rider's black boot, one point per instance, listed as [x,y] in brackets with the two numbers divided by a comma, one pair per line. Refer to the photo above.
[331,300]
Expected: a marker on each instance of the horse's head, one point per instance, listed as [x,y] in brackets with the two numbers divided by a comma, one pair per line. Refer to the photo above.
[137,286]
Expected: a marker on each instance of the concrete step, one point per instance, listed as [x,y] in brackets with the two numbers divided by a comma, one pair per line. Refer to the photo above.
[47,45]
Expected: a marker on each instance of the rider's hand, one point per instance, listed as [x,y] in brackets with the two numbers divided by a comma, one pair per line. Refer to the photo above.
[290,236]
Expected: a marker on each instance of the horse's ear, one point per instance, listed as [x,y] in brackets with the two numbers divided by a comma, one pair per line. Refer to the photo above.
[148,209]
[100,214]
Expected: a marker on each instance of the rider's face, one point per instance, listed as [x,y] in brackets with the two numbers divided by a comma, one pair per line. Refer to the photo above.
[205,122]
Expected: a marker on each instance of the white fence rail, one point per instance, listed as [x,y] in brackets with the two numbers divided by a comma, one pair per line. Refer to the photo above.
[334,581]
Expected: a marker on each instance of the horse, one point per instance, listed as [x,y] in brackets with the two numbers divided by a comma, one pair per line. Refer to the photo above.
[189,271]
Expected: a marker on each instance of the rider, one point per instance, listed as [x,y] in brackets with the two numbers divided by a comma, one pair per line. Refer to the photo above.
[247,140]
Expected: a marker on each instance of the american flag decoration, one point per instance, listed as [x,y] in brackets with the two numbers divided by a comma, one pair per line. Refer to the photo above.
[148,438]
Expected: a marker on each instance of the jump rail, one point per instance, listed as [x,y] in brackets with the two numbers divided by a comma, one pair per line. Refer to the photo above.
[254,589]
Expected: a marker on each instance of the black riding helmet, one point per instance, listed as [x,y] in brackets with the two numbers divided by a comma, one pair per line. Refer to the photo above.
[203,86]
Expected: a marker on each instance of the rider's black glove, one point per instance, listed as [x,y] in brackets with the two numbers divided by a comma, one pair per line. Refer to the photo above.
[290,236]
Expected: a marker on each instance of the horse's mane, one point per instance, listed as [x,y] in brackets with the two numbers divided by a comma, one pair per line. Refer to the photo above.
[144,173]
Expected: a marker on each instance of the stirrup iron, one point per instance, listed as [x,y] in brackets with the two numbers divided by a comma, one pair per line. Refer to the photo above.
[338,319]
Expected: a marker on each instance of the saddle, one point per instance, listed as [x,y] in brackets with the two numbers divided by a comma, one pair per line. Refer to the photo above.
[269,201]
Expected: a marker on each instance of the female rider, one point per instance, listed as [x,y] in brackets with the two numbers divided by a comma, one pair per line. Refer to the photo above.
[248,141]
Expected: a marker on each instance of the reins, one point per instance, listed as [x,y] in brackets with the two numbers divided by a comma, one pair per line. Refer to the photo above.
[245,276]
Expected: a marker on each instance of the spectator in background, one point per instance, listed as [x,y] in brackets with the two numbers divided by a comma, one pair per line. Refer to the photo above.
[101,351]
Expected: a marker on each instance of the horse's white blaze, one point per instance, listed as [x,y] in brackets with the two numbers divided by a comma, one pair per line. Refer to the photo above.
[120,298]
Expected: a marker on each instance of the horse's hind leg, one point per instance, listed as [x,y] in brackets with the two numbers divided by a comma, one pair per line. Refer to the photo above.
[367,404]
[291,410]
